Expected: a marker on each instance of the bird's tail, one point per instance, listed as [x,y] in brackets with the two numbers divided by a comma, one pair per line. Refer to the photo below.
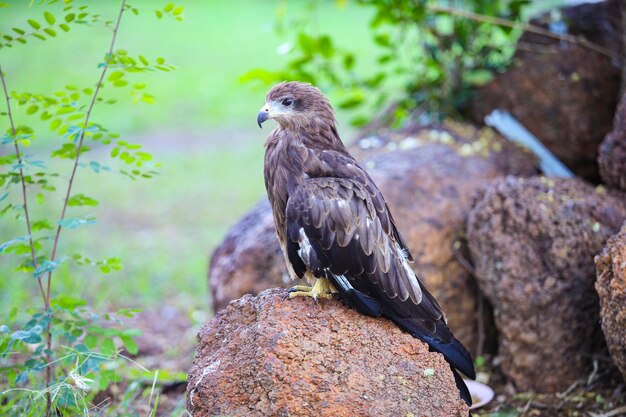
[453,351]
[460,384]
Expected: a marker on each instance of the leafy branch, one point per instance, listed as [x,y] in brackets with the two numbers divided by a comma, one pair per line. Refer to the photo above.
[499,21]
[80,145]
[38,30]
[64,318]
[429,62]
[18,156]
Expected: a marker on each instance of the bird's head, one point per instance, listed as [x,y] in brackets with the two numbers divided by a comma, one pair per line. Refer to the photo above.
[296,105]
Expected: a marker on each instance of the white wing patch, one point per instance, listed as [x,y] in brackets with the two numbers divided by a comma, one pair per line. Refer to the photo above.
[305,247]
[415,291]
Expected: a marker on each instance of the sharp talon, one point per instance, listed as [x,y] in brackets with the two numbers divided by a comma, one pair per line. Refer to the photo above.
[294,294]
[322,289]
[299,288]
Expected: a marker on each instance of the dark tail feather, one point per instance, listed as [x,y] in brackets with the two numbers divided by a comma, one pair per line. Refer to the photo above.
[456,355]
[460,384]
[454,352]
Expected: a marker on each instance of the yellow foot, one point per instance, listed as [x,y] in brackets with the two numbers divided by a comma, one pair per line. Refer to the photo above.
[321,289]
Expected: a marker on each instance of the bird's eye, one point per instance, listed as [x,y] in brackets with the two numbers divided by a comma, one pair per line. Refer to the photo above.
[287,102]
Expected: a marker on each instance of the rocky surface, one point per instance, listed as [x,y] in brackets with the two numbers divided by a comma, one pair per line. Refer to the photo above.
[611,287]
[612,158]
[428,177]
[533,242]
[271,356]
[565,94]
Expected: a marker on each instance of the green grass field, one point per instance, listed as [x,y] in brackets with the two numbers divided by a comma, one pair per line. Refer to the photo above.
[202,129]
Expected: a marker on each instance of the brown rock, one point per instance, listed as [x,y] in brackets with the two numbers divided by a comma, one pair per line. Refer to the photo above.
[428,177]
[248,260]
[565,94]
[532,242]
[611,288]
[271,356]
[612,159]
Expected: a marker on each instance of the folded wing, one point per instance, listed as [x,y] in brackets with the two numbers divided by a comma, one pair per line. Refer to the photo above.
[341,229]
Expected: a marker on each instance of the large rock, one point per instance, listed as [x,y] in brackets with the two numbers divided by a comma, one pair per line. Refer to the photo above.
[565,94]
[271,356]
[612,157]
[428,177]
[611,287]
[249,259]
[533,242]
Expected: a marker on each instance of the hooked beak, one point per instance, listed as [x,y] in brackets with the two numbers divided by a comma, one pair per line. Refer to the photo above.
[263,115]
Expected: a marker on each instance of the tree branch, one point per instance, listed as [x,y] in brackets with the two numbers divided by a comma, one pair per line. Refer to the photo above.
[81,140]
[23,182]
[498,21]
[69,189]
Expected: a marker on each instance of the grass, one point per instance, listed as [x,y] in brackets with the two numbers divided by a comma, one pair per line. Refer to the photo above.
[201,129]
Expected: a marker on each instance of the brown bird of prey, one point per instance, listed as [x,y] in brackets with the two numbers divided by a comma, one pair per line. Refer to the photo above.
[335,228]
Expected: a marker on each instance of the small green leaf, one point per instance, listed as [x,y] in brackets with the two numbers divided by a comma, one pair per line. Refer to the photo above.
[326,46]
[4,246]
[168,7]
[81,200]
[34,24]
[91,341]
[54,125]
[32,109]
[354,100]
[67,302]
[116,75]
[41,225]
[47,266]
[177,11]
[130,345]
[108,347]
[147,98]
[49,18]
[73,223]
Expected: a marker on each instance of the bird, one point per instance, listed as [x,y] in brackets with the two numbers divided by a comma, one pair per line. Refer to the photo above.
[335,228]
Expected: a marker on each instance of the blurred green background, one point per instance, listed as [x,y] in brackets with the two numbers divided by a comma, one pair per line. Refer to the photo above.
[202,130]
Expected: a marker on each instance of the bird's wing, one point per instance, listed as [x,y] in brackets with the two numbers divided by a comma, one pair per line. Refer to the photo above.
[336,230]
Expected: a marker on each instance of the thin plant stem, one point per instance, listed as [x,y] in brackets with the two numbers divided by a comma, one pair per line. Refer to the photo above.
[23,182]
[80,142]
[70,185]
